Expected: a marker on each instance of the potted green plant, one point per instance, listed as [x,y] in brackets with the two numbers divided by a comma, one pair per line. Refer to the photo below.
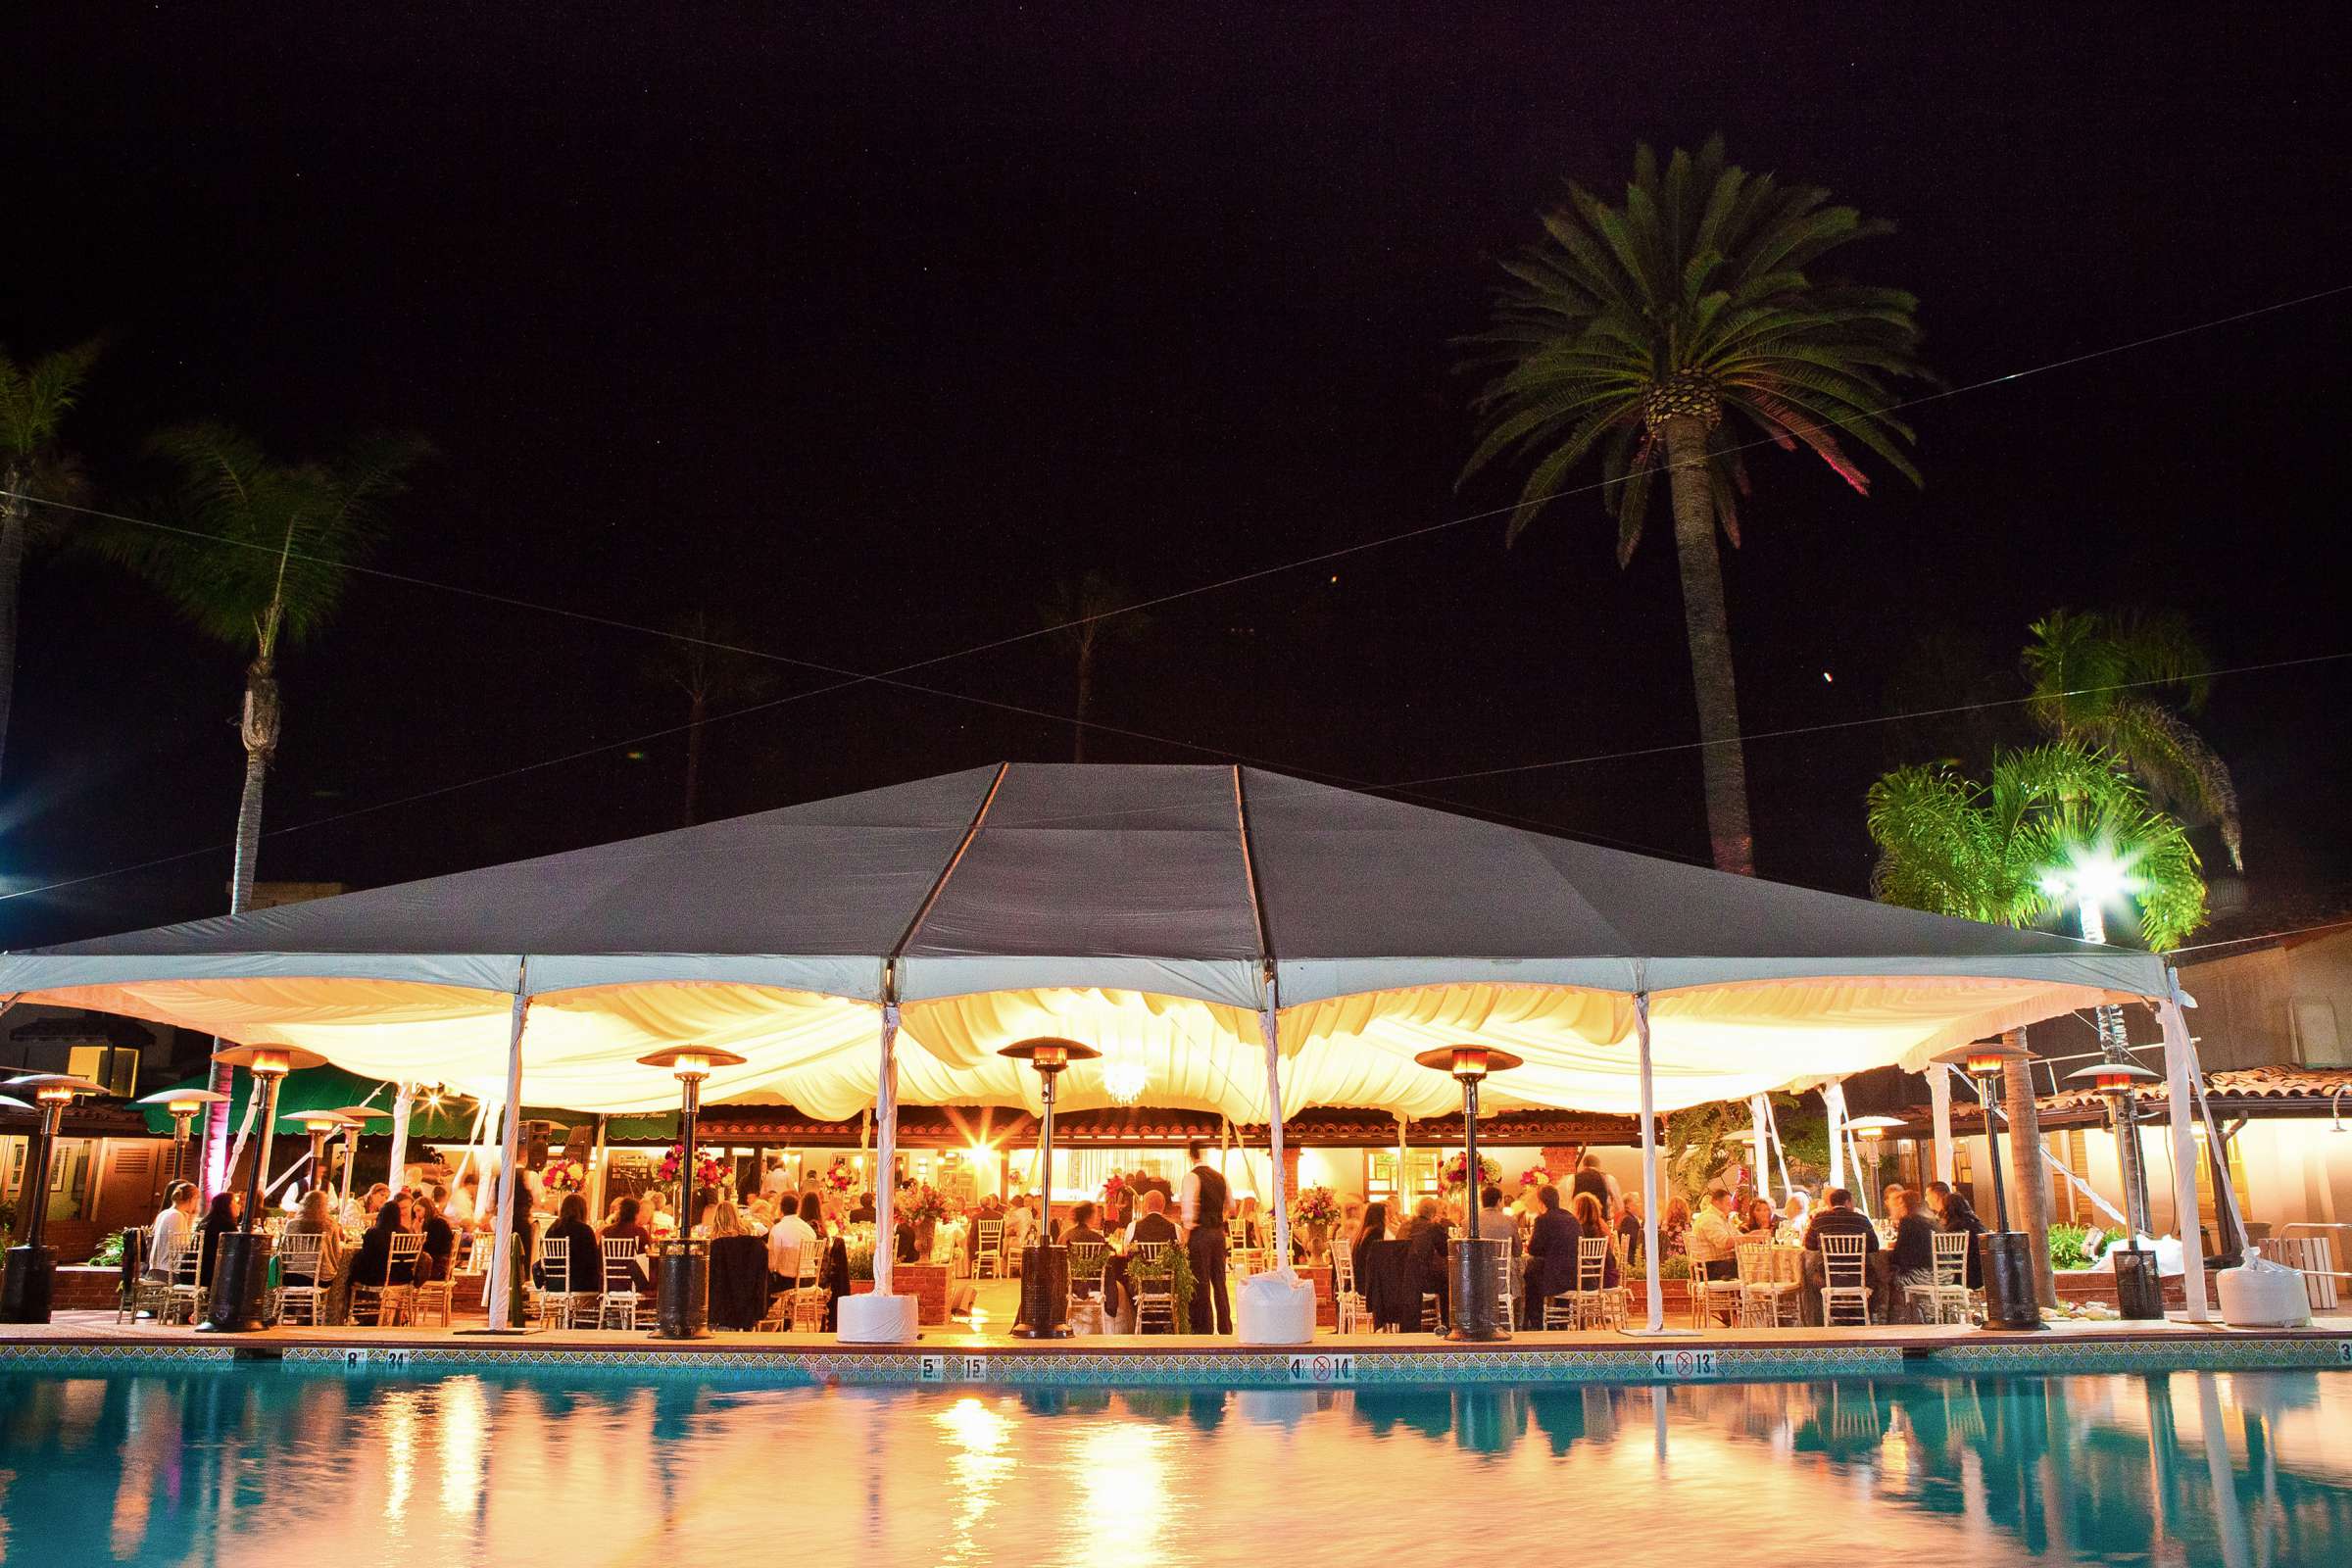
[1171,1265]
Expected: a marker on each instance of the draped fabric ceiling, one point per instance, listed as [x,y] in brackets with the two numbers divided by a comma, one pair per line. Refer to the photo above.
[1149,911]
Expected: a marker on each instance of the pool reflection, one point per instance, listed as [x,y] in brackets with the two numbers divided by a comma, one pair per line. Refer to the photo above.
[216,1466]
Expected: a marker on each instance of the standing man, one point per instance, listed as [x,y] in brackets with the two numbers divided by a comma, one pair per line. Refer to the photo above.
[1203,1209]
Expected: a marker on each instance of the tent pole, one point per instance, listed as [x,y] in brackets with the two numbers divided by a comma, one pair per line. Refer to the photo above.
[501,1254]
[1649,1168]
[1404,1187]
[1270,1029]
[596,1175]
[1833,1102]
[404,1104]
[1755,1112]
[2178,1068]
[886,1118]
[1939,1096]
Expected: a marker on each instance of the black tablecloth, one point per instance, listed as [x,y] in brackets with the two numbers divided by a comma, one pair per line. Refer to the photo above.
[1388,1277]
[738,1282]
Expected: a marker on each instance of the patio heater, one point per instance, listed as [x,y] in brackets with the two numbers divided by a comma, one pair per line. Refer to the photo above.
[2138,1288]
[1045,1268]
[359,1116]
[1873,1131]
[321,1125]
[1476,1259]
[681,1298]
[2010,1299]
[184,1104]
[244,1262]
[31,1283]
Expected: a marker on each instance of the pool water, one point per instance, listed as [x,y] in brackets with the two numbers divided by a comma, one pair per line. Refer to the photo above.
[253,1464]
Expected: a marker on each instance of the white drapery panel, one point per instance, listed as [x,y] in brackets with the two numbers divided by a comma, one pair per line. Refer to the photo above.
[817,1051]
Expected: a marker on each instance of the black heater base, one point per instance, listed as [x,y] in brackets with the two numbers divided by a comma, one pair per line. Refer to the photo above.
[1477,1316]
[2011,1301]
[681,1300]
[239,1273]
[1044,1295]
[2138,1288]
[30,1286]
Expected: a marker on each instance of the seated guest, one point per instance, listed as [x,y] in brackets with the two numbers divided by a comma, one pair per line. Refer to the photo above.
[1592,1222]
[1495,1222]
[440,1241]
[221,1217]
[1674,1224]
[722,1219]
[1795,1214]
[1840,1217]
[1551,1252]
[1628,1229]
[788,1240]
[1082,1226]
[1961,1215]
[1248,1225]
[372,1266]
[862,1213]
[466,1210]
[1153,1224]
[175,1228]
[316,1218]
[359,1212]
[1887,1197]
[1426,1238]
[1714,1243]
[584,1260]
[1914,1251]
[1757,1223]
[1375,1227]
[629,1224]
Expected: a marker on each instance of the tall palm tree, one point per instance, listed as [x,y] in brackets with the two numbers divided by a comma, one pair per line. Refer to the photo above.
[1988,851]
[1084,617]
[2097,678]
[36,396]
[256,555]
[1633,331]
[697,662]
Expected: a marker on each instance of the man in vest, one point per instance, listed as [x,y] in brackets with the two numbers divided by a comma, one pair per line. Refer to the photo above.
[1203,1209]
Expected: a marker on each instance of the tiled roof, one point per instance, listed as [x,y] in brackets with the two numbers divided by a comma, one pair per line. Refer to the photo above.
[927,1126]
[2240,1090]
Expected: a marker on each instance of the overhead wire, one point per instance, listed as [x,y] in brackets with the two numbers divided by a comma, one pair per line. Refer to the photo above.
[893,675]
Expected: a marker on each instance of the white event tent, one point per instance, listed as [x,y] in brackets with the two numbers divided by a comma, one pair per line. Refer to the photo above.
[1251,941]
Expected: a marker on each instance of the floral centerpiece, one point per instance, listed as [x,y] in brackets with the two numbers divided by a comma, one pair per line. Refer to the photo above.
[561,1176]
[839,1177]
[1313,1212]
[1534,1176]
[708,1169]
[922,1203]
[1450,1175]
[1114,1188]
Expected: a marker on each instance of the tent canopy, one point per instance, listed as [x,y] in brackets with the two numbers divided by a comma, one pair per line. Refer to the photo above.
[1151,912]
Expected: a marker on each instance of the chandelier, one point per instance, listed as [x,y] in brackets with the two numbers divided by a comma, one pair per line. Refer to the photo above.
[1123,1079]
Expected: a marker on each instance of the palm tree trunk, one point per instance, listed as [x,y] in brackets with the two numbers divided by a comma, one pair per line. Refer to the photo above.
[12,573]
[259,729]
[694,756]
[1704,623]
[1086,697]
[2029,1172]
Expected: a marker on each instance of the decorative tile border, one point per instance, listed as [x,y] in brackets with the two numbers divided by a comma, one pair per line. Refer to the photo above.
[1635,1361]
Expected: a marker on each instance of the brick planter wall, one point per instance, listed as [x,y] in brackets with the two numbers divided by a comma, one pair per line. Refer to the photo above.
[927,1283]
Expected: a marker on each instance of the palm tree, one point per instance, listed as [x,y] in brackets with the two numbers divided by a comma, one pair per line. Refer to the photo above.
[35,399]
[2095,677]
[698,662]
[1084,618]
[1633,331]
[1988,851]
[256,555]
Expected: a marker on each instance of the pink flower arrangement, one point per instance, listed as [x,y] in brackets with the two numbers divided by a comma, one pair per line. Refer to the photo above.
[1315,1206]
[708,1170]
[919,1202]
[1114,1184]
[839,1177]
[1450,1173]
[562,1176]
[1534,1176]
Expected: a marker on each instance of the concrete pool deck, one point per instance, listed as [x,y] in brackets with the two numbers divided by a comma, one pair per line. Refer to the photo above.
[959,1353]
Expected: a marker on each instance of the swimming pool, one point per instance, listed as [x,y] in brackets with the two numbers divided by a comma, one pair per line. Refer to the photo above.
[244,1464]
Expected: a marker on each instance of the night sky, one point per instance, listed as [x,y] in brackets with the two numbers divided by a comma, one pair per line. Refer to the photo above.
[857,336]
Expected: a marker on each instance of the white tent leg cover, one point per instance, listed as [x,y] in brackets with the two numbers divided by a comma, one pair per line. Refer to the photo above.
[502,1246]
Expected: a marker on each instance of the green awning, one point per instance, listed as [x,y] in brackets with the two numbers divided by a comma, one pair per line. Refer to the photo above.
[331,1089]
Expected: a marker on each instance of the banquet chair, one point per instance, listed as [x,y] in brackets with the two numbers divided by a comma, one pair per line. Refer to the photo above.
[809,1291]
[1709,1296]
[436,1298]
[618,1303]
[1949,1299]
[299,1254]
[391,1301]
[988,1249]
[137,1294]
[554,1298]
[1770,1296]
[1844,1282]
[183,1274]
[1347,1299]
[1587,1303]
[1155,1296]
[1086,1268]
[1506,1285]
